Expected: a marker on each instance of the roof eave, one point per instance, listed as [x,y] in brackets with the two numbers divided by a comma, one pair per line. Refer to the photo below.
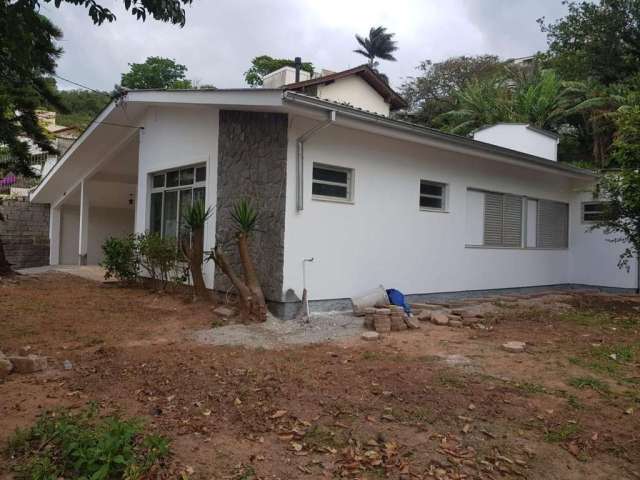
[476,146]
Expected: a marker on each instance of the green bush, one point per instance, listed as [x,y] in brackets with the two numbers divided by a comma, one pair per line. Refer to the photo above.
[121,258]
[85,446]
[161,258]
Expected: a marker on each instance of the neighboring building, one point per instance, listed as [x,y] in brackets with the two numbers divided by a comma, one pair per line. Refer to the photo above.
[371,199]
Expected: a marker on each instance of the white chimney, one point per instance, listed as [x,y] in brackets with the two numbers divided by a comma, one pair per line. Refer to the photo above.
[522,138]
[283,76]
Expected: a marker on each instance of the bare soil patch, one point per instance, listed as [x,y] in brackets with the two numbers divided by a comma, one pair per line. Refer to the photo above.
[440,402]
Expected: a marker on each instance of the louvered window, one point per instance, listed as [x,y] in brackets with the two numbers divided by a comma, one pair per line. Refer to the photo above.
[552,224]
[502,220]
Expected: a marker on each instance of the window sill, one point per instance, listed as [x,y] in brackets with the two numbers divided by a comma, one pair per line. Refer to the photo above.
[495,247]
[434,210]
[332,200]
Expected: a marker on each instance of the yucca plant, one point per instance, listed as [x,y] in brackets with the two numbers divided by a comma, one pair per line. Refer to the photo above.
[192,243]
[252,301]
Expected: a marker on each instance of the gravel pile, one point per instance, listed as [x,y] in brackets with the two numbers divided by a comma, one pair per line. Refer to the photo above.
[274,333]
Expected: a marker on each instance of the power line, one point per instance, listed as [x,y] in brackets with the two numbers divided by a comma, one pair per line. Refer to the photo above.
[81,85]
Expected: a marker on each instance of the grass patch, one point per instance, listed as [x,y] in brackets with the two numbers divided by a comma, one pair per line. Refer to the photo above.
[451,380]
[562,433]
[319,437]
[418,415]
[531,388]
[589,383]
[586,318]
[63,444]
[574,402]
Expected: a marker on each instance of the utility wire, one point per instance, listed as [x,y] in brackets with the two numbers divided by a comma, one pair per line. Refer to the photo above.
[80,85]
[102,93]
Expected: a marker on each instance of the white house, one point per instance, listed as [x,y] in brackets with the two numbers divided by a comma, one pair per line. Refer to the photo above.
[371,199]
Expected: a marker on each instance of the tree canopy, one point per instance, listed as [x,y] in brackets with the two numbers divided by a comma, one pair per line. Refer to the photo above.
[28,55]
[264,65]
[171,11]
[596,41]
[432,92]
[156,72]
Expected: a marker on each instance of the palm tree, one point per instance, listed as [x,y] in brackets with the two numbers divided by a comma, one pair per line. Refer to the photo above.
[379,44]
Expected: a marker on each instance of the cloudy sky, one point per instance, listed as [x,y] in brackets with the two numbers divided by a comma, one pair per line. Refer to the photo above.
[222,36]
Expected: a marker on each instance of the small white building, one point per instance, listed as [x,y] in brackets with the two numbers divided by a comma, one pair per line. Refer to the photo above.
[372,200]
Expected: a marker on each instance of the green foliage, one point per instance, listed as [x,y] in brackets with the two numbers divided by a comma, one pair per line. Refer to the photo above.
[85,446]
[160,257]
[156,72]
[264,65]
[537,97]
[562,433]
[121,258]
[596,40]
[432,91]
[590,383]
[621,188]
[378,44]
[244,216]
[196,215]
[28,56]
[80,107]
[162,10]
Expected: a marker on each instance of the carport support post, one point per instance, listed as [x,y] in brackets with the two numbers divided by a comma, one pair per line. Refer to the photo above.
[54,235]
[83,231]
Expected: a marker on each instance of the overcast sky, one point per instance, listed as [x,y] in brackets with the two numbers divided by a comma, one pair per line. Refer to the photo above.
[222,36]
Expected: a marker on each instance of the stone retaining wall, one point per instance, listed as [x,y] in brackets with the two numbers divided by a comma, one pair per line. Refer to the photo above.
[25,233]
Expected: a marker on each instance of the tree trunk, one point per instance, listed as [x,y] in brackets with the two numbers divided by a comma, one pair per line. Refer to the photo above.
[194,254]
[251,309]
[250,274]
[5,266]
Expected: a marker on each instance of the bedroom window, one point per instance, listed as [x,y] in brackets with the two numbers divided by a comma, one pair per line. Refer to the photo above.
[332,183]
[592,212]
[504,220]
[172,192]
[433,196]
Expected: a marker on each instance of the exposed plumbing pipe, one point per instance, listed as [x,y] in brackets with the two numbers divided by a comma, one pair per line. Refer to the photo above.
[300,157]
[304,284]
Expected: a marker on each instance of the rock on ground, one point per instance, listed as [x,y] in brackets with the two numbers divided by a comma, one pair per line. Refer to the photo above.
[440,318]
[370,336]
[28,364]
[224,312]
[514,347]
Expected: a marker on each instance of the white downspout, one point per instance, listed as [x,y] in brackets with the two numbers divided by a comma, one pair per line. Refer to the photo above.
[300,157]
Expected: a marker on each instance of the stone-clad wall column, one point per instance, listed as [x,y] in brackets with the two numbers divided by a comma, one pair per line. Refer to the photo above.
[25,233]
[252,164]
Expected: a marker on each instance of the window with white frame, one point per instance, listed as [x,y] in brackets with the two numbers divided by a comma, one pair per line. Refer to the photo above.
[332,183]
[504,220]
[433,196]
[592,212]
[172,192]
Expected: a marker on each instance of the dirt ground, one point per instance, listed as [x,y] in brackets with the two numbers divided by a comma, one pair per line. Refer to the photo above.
[439,402]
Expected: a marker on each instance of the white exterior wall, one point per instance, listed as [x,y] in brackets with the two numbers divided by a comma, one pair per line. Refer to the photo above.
[519,137]
[175,137]
[356,92]
[594,260]
[384,238]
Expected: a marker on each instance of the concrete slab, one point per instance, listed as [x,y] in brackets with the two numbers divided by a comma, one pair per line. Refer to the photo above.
[89,272]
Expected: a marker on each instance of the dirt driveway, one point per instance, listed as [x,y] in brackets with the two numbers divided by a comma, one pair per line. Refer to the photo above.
[440,402]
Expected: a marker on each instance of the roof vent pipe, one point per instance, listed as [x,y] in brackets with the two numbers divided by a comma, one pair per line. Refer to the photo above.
[300,157]
[297,63]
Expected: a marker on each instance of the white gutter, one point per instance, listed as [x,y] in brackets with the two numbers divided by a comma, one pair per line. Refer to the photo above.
[300,157]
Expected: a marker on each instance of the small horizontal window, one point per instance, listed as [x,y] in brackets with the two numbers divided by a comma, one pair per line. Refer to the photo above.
[432,195]
[592,212]
[332,182]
